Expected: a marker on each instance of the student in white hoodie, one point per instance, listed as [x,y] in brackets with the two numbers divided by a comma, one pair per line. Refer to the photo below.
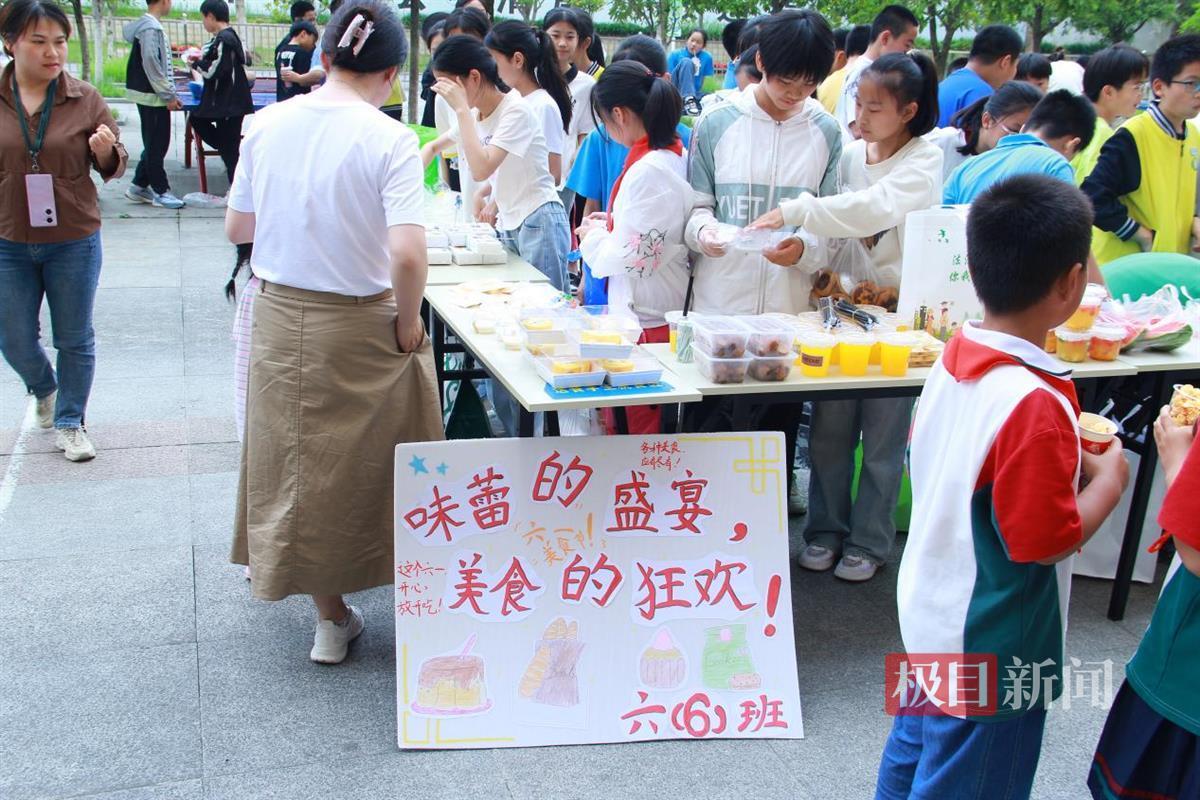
[886,174]
[638,245]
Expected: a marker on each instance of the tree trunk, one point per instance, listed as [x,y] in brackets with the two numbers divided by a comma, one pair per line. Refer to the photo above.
[85,68]
[778,5]
[241,14]
[939,58]
[98,41]
[414,61]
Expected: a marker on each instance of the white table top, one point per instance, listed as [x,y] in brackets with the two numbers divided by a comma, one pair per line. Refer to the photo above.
[796,382]
[514,370]
[1185,359]
[517,269]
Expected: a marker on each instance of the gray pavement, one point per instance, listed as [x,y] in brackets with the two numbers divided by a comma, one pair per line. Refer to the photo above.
[135,665]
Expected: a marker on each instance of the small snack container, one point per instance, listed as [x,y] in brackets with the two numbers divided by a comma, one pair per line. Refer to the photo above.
[1106,342]
[1051,342]
[638,370]
[771,368]
[768,337]
[816,354]
[601,343]
[756,241]
[569,371]
[1072,345]
[672,318]
[854,352]
[1089,308]
[721,370]
[1096,433]
[721,337]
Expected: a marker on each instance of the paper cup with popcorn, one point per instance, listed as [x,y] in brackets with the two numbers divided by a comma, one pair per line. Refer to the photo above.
[1096,433]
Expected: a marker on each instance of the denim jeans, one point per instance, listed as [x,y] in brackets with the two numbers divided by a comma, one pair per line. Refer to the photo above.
[544,239]
[938,757]
[863,527]
[66,275]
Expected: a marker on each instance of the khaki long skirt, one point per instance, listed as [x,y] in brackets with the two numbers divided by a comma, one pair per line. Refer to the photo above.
[330,395]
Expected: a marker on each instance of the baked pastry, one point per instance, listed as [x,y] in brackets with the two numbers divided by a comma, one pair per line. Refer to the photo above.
[617,364]
[570,367]
[451,685]
[662,665]
[864,293]
[601,337]
[825,283]
[551,677]
[888,297]
[537,324]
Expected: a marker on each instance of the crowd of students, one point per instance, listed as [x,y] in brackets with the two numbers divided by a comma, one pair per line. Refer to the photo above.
[555,149]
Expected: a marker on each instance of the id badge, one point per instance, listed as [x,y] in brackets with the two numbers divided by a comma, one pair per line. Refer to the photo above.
[39,191]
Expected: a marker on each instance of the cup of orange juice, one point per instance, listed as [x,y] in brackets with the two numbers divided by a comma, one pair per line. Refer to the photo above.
[672,318]
[855,348]
[894,350]
[816,354]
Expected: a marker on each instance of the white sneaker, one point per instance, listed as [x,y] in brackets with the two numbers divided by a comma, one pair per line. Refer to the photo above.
[855,569]
[74,443]
[45,410]
[332,639]
[139,194]
[168,200]
[817,557]
[798,499]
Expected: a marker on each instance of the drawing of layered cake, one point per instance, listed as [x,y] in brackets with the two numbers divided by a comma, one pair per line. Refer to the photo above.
[452,685]
[662,665]
[551,677]
[726,660]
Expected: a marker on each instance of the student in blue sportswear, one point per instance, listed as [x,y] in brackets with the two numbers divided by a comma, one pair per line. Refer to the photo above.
[1061,125]
[729,40]
[993,61]
[699,60]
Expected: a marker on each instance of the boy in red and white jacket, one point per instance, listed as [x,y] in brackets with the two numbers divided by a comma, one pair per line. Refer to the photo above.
[995,462]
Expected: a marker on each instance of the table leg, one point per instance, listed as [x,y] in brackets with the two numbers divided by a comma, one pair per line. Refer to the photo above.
[1137,511]
[187,140]
[621,419]
[438,336]
[525,424]
[552,428]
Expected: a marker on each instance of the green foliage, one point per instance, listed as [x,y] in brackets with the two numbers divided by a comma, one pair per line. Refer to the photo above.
[959,43]
[621,29]
[591,6]
[1118,20]
[1074,48]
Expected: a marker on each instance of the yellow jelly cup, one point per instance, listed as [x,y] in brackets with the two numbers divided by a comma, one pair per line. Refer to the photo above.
[855,353]
[894,350]
[816,354]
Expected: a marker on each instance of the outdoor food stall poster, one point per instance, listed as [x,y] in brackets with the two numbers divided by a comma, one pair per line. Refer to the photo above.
[579,590]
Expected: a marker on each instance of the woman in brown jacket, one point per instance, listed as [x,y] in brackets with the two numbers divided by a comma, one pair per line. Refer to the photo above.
[54,130]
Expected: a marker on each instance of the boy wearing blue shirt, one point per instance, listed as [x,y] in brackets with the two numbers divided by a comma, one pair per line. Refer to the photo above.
[992,62]
[995,461]
[1061,125]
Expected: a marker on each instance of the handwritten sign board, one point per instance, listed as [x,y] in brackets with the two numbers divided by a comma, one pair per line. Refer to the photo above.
[936,293]
[593,589]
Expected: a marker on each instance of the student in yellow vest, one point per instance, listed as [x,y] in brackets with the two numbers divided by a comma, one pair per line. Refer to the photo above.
[1115,81]
[1143,186]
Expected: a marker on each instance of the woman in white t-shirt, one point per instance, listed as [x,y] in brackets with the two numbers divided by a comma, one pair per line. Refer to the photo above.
[505,149]
[340,367]
[526,62]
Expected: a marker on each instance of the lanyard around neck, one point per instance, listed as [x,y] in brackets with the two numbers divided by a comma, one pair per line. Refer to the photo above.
[34,146]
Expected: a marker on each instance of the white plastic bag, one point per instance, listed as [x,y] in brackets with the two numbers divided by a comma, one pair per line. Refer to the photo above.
[203,200]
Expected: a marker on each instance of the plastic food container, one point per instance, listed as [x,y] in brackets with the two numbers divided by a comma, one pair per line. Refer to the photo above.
[510,335]
[601,344]
[637,370]
[1089,308]
[672,318]
[756,241]
[816,354]
[484,322]
[768,337]
[771,368]
[1072,345]
[1096,433]
[721,337]
[894,351]
[623,324]
[1051,342]
[1106,342]
[854,352]
[1185,404]
[721,370]
[569,372]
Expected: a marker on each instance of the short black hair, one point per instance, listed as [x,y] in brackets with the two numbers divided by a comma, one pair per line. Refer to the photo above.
[701,31]
[1033,66]
[729,36]
[956,64]
[750,31]
[995,42]
[747,63]
[839,38]
[858,40]
[1064,113]
[1023,234]
[303,26]
[428,23]
[469,20]
[646,50]
[18,16]
[894,19]
[217,9]
[1114,66]
[300,8]
[796,44]
[1173,55]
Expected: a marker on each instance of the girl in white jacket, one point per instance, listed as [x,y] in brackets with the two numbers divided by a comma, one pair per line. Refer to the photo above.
[639,244]
[891,171]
